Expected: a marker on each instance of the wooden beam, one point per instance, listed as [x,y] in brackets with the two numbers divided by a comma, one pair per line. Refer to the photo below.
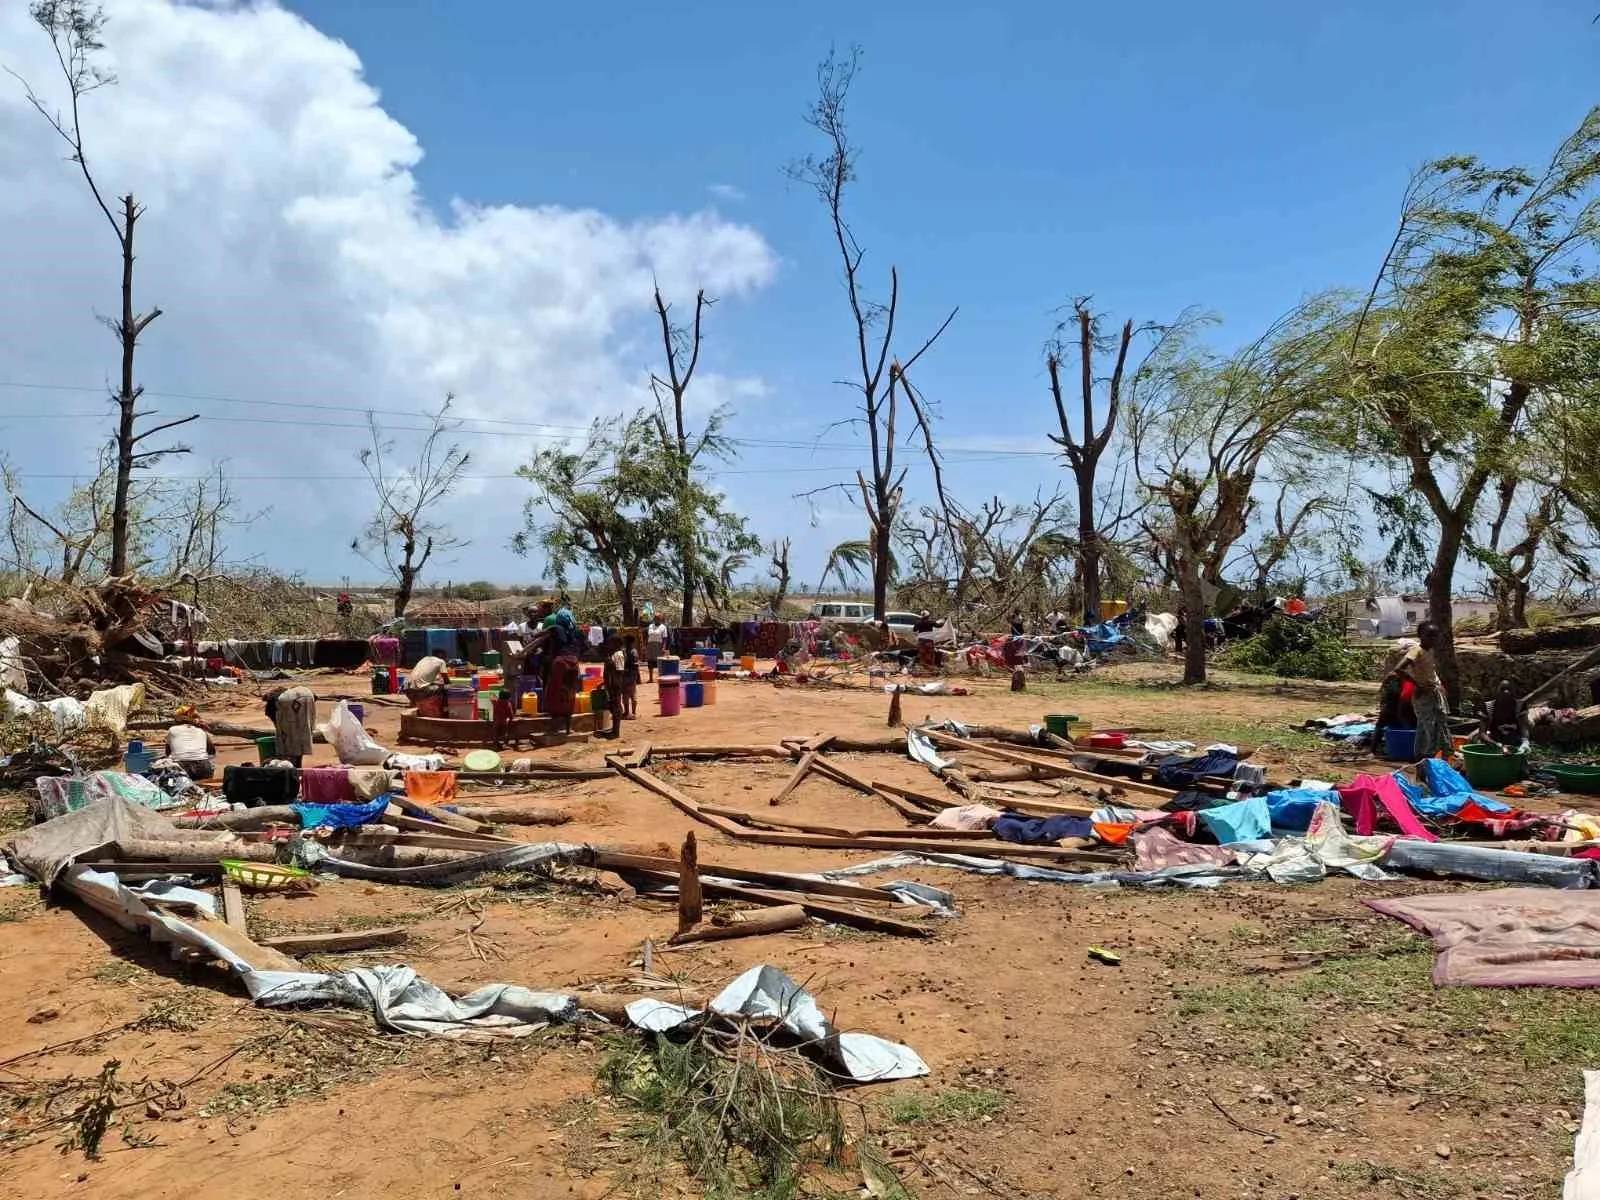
[762,821]
[417,808]
[399,820]
[729,750]
[615,860]
[841,775]
[1047,765]
[233,906]
[335,943]
[835,913]
[769,920]
[802,769]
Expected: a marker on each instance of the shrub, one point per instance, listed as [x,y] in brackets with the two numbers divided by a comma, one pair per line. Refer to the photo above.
[1299,650]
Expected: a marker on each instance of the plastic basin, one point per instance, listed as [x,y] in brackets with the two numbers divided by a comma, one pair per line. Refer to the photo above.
[1490,767]
[1584,779]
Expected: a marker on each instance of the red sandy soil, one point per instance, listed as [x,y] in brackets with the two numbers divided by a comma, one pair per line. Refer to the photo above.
[1093,1080]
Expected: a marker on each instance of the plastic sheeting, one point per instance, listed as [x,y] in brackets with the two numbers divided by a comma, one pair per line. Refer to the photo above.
[353,743]
[44,851]
[1488,863]
[766,993]
[110,706]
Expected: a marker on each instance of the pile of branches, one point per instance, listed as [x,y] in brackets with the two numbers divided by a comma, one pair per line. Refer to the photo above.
[87,640]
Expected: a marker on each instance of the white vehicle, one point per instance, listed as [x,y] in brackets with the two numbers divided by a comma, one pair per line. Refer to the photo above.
[841,610]
[902,623]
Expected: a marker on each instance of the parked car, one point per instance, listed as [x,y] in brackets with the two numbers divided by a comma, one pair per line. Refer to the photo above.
[902,622]
[841,610]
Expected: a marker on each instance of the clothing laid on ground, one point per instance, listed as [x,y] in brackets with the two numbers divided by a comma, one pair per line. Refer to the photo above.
[1241,821]
[326,785]
[431,787]
[1040,831]
[1186,772]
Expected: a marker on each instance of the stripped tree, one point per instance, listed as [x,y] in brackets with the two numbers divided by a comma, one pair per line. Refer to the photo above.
[403,535]
[74,28]
[880,377]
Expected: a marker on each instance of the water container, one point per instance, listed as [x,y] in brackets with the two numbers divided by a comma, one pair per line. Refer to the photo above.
[694,695]
[491,659]
[530,704]
[689,674]
[1400,744]
[357,710]
[747,662]
[708,688]
[670,693]
[667,668]
[137,760]
[380,681]
[266,749]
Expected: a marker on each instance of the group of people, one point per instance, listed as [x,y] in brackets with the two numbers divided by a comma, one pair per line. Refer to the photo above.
[553,655]
[1412,696]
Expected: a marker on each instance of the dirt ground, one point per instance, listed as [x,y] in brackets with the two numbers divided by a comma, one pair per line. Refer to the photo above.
[1256,1041]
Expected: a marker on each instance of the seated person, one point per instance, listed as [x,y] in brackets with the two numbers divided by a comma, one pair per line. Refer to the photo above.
[426,678]
[191,747]
[1504,722]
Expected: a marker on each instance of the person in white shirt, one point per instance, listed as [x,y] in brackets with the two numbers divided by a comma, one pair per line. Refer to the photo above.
[655,642]
[191,747]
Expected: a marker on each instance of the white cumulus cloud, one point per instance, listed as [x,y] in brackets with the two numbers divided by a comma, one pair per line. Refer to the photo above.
[296,261]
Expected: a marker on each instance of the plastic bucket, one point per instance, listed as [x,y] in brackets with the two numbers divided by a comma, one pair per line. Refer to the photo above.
[491,659]
[1400,744]
[708,688]
[266,749]
[690,674]
[667,667]
[1059,723]
[599,700]
[1078,730]
[1108,741]
[431,706]
[1490,767]
[670,693]
[747,662]
[694,695]
[380,681]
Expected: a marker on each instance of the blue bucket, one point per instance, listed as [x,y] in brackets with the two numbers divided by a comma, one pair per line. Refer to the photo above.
[694,695]
[1400,744]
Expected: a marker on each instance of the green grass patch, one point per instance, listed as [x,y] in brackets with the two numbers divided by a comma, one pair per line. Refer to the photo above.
[956,1106]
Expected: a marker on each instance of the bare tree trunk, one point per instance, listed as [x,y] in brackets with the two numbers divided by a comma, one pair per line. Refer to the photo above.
[882,553]
[1194,620]
[1089,553]
[1441,587]
[1519,604]
[128,334]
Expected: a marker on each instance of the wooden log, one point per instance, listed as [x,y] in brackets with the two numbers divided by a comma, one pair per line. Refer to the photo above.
[417,808]
[761,821]
[926,799]
[821,742]
[233,906]
[393,855]
[147,850]
[417,825]
[614,1006]
[424,841]
[888,744]
[336,943]
[834,913]
[619,860]
[691,900]
[683,803]
[726,750]
[497,814]
[250,818]
[1048,766]
[768,920]
[802,769]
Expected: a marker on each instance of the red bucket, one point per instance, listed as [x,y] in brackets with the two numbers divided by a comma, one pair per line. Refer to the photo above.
[1107,741]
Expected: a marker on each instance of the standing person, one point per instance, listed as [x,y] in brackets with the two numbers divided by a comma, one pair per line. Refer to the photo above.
[615,681]
[1418,666]
[655,642]
[630,677]
[503,714]
[293,712]
[561,642]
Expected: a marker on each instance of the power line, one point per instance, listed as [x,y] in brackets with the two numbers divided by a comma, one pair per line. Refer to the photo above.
[561,430]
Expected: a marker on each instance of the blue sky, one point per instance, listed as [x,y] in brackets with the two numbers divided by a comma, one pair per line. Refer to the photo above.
[1232,156]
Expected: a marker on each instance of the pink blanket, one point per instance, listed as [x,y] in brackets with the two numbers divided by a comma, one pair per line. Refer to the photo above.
[1513,937]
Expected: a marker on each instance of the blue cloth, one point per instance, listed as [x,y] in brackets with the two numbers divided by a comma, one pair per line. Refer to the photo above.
[1040,831]
[442,643]
[340,816]
[1291,808]
[1241,821]
[1358,729]
[1449,791]
[1182,773]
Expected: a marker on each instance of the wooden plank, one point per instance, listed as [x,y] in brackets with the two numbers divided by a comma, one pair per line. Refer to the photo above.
[691,900]
[426,841]
[770,920]
[417,808]
[841,775]
[233,906]
[685,805]
[335,943]
[1042,764]
[928,799]
[802,769]
[911,812]
[762,821]
[393,816]
[727,750]
[616,859]
[837,914]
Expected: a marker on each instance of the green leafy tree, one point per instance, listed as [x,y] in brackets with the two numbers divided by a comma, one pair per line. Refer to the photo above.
[601,507]
[1476,348]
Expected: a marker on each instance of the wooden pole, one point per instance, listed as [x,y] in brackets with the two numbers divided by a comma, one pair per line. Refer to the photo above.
[691,900]
[796,776]
[752,924]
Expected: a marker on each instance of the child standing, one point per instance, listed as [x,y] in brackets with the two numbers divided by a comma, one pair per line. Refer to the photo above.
[614,683]
[502,713]
[630,677]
